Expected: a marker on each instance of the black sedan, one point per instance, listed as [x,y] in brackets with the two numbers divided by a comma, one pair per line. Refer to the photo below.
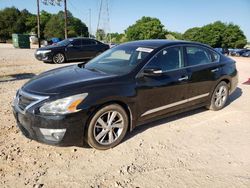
[246,54]
[126,86]
[73,49]
[239,52]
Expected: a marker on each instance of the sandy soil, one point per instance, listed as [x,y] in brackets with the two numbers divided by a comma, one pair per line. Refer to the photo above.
[200,148]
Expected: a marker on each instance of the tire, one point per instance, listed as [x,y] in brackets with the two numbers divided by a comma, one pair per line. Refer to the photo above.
[219,97]
[58,58]
[107,127]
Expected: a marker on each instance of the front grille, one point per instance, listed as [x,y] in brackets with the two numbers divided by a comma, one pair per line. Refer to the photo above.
[25,100]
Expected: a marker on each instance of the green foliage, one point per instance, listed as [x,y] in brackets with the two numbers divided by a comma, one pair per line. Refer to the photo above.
[146,28]
[9,22]
[55,26]
[100,35]
[174,35]
[51,25]
[117,37]
[52,2]
[217,34]
[44,19]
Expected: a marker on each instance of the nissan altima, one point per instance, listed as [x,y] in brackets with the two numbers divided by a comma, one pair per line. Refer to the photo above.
[126,86]
[72,49]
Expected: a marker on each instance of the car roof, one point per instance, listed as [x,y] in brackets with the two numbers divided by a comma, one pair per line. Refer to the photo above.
[74,38]
[157,43]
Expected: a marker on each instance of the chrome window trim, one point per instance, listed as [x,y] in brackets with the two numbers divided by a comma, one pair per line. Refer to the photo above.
[174,104]
[205,48]
[185,62]
[38,99]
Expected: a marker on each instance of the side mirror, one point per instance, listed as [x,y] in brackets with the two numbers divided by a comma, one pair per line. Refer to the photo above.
[152,72]
[70,45]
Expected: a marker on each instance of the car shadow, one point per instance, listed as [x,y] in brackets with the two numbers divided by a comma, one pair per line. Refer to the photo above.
[234,96]
[144,127]
[16,77]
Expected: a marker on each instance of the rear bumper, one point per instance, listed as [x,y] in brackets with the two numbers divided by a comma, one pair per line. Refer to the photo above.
[234,83]
[63,130]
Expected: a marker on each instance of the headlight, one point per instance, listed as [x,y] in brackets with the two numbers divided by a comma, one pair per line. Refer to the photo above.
[63,106]
[42,51]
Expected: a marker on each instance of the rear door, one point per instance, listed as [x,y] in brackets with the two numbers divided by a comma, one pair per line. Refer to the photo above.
[203,69]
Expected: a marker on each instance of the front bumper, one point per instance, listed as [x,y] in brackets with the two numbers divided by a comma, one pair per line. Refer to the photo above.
[47,57]
[63,130]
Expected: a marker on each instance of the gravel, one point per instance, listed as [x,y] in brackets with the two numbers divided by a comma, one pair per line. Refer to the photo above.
[199,148]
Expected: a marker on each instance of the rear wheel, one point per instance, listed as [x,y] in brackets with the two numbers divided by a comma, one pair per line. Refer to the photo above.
[59,58]
[107,127]
[219,97]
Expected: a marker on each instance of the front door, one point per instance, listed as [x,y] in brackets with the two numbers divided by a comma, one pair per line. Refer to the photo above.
[165,92]
[74,50]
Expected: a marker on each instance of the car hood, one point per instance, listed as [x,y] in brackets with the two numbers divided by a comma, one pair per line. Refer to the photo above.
[65,79]
[50,47]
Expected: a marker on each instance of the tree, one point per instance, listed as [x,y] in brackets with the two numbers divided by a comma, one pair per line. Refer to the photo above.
[9,22]
[117,37]
[52,2]
[55,26]
[100,35]
[217,34]
[192,34]
[176,35]
[44,19]
[233,37]
[29,21]
[146,28]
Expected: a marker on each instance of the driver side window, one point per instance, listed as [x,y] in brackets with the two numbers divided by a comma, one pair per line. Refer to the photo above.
[167,59]
[76,43]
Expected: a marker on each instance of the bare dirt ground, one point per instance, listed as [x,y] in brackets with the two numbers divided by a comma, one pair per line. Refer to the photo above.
[200,148]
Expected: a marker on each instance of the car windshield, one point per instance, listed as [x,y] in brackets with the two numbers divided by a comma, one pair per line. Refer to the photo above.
[119,60]
[63,42]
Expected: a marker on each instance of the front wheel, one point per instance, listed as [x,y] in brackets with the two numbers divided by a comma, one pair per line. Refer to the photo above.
[58,58]
[107,127]
[219,97]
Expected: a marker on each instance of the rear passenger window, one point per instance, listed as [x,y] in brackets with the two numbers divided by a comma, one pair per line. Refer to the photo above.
[215,57]
[168,59]
[197,56]
[77,42]
[88,42]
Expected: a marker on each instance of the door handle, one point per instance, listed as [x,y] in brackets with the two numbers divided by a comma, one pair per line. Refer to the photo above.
[183,78]
[215,70]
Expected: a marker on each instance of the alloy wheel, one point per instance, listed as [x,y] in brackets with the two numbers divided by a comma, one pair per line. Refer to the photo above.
[220,96]
[108,127]
[58,58]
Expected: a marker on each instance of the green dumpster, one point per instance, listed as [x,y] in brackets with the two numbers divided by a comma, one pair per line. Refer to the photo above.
[21,41]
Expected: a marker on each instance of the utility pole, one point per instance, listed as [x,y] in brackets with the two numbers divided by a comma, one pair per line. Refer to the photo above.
[38,24]
[104,20]
[99,16]
[65,20]
[89,23]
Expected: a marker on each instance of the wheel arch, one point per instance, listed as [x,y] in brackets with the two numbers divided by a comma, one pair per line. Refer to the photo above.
[227,80]
[60,52]
[120,103]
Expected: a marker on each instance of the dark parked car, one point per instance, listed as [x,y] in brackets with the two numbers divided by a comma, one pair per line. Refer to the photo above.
[73,49]
[128,85]
[246,54]
[239,52]
[224,51]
